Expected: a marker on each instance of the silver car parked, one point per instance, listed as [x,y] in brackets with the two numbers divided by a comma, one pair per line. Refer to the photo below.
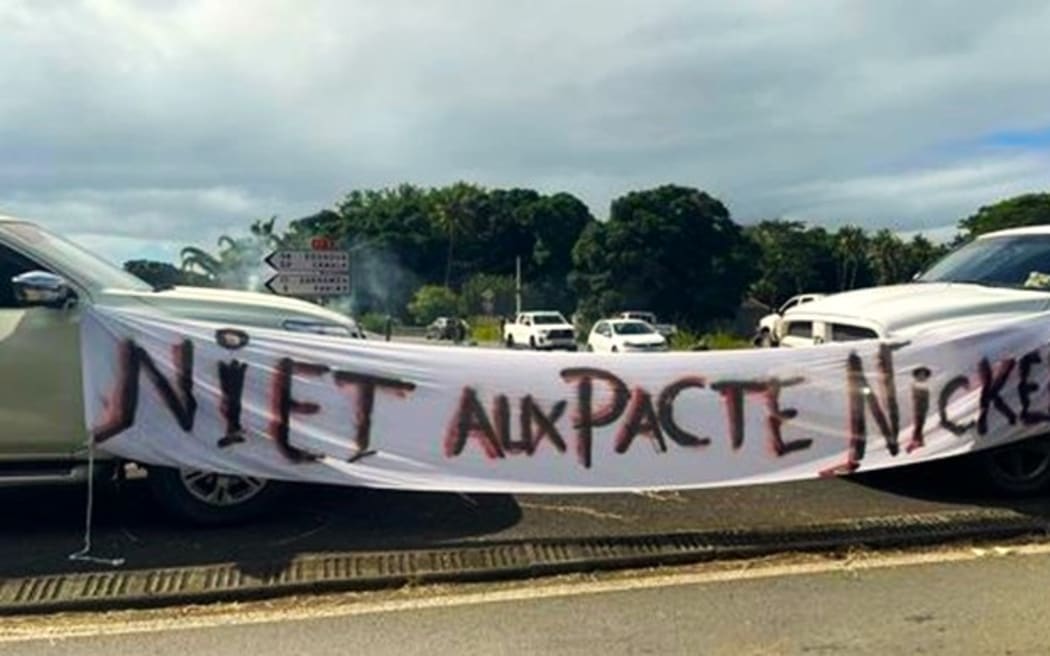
[45,283]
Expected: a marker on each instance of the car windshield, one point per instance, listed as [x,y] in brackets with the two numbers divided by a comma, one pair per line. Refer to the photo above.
[70,259]
[632,328]
[541,319]
[1009,261]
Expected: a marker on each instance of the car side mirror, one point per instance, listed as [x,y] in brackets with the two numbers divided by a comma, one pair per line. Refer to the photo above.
[42,289]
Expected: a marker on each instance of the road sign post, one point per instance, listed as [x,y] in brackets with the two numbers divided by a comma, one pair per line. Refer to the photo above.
[321,271]
[309,284]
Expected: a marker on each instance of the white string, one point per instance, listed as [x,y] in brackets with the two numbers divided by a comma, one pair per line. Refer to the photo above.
[85,553]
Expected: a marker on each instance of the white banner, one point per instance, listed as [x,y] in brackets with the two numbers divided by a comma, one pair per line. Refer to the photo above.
[306,407]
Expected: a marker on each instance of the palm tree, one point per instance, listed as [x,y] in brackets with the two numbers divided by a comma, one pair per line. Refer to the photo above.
[850,250]
[888,256]
[453,211]
[239,258]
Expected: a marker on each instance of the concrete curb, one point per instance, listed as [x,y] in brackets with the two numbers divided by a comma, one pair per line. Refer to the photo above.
[335,572]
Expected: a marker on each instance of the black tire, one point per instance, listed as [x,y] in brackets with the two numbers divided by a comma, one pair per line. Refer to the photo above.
[532,343]
[615,350]
[1017,470]
[510,341]
[236,499]
[764,340]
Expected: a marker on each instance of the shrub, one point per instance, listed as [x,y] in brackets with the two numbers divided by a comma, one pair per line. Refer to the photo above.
[721,340]
[684,340]
[485,329]
[374,322]
[433,301]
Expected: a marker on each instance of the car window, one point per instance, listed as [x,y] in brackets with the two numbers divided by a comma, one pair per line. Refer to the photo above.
[787,306]
[1009,261]
[74,261]
[632,328]
[800,329]
[547,319]
[13,263]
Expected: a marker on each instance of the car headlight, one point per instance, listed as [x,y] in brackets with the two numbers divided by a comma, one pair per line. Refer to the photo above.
[316,327]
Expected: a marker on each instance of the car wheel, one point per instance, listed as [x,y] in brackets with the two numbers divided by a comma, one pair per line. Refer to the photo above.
[590,349]
[532,343]
[211,499]
[1018,469]
[764,340]
[615,350]
[510,341]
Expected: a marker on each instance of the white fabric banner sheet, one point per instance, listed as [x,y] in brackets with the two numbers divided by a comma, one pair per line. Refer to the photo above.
[306,407]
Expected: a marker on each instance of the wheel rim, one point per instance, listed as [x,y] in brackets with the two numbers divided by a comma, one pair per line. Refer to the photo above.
[221,489]
[1024,464]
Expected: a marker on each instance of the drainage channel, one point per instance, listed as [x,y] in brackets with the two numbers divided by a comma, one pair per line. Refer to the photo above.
[330,572]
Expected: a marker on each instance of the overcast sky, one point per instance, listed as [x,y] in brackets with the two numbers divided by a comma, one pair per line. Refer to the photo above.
[139,127]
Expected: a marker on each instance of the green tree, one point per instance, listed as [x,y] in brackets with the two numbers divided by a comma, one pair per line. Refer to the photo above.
[889,258]
[922,253]
[433,301]
[1025,210]
[851,254]
[484,293]
[239,261]
[792,259]
[406,236]
[393,243]
[672,250]
[457,211]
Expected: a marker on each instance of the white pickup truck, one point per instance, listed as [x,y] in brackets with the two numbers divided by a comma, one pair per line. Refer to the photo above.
[547,330]
[769,325]
[997,276]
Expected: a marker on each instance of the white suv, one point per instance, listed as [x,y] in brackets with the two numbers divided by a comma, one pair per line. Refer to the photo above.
[45,281]
[997,276]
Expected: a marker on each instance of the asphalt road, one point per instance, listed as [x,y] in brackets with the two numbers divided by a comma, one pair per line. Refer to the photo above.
[41,526]
[938,603]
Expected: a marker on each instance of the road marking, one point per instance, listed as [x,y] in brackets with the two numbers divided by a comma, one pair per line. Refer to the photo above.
[71,626]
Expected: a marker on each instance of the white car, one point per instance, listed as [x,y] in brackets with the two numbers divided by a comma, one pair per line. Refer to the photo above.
[665,329]
[769,325]
[45,282]
[997,276]
[625,336]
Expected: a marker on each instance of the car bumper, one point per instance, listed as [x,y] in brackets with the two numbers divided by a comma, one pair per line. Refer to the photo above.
[556,344]
[655,348]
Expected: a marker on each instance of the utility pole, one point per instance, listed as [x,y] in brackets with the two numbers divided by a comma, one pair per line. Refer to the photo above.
[517,285]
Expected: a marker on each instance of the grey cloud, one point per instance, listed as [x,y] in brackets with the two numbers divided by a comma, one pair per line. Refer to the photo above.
[179,120]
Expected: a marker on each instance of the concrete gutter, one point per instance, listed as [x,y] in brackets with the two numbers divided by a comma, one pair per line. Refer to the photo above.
[363,570]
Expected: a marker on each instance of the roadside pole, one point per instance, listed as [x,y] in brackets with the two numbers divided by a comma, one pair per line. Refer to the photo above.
[517,285]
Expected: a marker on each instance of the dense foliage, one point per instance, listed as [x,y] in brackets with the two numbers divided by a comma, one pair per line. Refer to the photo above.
[417,253]
[672,250]
[1020,211]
